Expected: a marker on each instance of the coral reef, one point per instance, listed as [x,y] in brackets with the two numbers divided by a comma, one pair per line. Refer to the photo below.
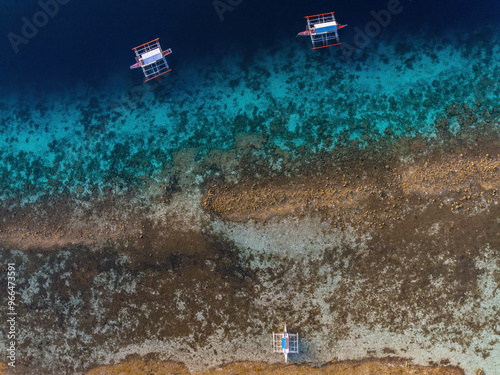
[185,224]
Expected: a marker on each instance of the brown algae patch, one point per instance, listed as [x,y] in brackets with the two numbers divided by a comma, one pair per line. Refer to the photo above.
[461,173]
[369,196]
[383,367]
[155,222]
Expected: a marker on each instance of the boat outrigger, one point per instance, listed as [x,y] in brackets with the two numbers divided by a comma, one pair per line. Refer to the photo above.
[151,58]
[322,28]
[286,343]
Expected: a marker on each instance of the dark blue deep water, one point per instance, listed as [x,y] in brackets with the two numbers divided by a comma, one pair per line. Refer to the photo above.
[84,41]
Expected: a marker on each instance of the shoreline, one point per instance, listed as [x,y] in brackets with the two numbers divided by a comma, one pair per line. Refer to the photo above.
[382,366]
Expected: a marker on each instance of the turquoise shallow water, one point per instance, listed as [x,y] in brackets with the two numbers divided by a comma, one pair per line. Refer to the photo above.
[128,132]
